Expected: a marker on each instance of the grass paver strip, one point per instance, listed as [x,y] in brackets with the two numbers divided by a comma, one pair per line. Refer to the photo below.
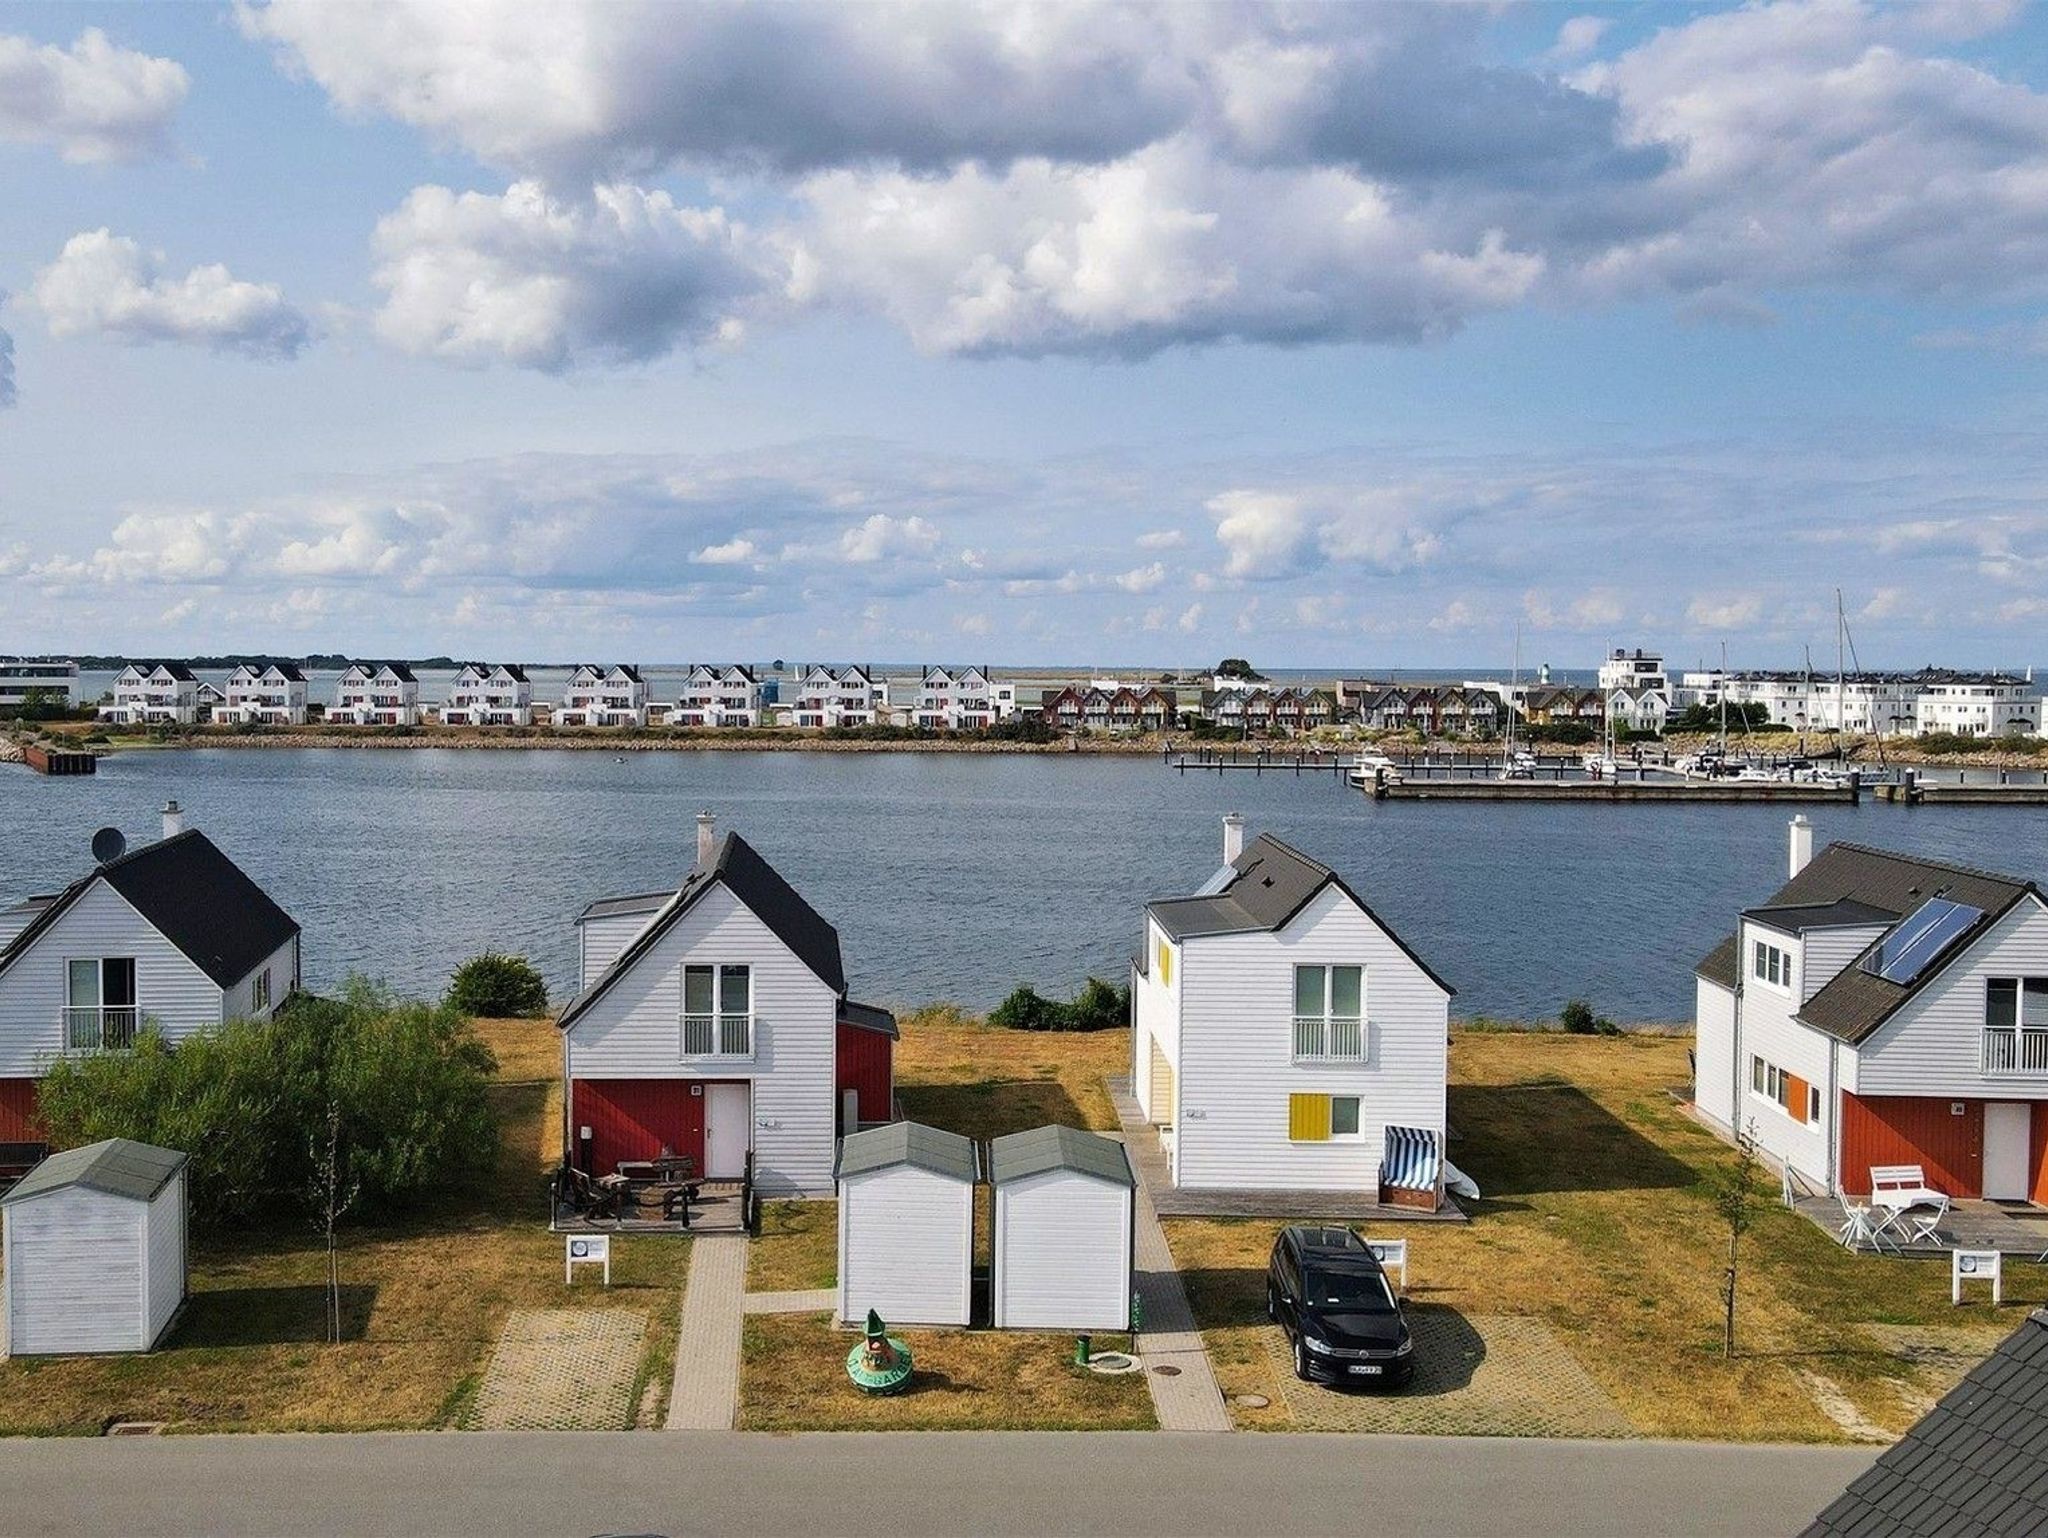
[562,1369]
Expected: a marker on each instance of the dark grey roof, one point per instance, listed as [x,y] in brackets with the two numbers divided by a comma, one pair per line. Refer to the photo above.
[868,1017]
[1273,883]
[117,1167]
[1798,918]
[741,870]
[612,907]
[1976,1463]
[1023,1154]
[194,895]
[290,671]
[1854,1003]
[909,1142]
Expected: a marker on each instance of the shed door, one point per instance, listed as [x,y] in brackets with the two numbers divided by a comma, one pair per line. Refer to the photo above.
[729,1129]
[2008,1132]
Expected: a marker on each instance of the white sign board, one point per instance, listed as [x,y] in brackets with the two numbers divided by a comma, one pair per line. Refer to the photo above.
[1391,1253]
[1975,1266]
[587,1250]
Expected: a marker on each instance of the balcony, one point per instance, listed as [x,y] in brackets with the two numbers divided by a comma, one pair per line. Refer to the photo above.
[1329,1039]
[100,1027]
[718,1036]
[2016,1049]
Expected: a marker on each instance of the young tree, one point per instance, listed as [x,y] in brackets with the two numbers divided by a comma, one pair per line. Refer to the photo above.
[494,986]
[1738,1191]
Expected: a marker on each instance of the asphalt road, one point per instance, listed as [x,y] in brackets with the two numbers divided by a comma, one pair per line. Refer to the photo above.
[902,1485]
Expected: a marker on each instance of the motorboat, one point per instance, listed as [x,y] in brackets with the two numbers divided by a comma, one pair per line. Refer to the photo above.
[1368,769]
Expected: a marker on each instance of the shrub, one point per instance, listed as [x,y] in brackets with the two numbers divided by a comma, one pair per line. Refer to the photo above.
[1026,1009]
[1577,1017]
[498,987]
[1099,1006]
[395,1092]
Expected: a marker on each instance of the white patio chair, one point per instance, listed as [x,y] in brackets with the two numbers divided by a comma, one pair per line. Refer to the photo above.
[1856,1231]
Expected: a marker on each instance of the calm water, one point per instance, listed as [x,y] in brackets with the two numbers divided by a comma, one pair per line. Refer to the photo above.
[954,876]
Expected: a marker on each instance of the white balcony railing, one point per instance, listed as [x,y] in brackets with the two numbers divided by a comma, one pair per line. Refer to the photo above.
[2016,1049]
[100,1027]
[718,1036]
[1329,1039]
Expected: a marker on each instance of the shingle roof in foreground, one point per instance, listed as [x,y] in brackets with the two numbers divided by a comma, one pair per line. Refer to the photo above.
[1021,1155]
[1976,1463]
[909,1142]
[118,1167]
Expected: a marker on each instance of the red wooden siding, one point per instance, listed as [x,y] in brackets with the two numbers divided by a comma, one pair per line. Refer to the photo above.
[636,1119]
[2040,1190]
[867,1064]
[1903,1129]
[18,1122]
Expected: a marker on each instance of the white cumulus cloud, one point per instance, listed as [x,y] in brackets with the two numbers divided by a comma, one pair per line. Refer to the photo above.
[93,101]
[108,285]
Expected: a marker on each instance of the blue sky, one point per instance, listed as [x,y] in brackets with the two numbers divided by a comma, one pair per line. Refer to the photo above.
[1090,335]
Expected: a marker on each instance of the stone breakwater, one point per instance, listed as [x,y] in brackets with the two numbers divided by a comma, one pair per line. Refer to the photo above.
[595,742]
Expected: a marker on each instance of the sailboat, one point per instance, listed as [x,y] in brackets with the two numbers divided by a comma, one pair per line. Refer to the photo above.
[1514,764]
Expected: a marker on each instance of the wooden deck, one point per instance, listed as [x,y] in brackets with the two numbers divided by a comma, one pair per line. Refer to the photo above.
[2012,1228]
[1308,1206]
[720,1210]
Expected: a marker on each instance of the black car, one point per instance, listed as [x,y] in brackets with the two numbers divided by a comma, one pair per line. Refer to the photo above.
[1327,1291]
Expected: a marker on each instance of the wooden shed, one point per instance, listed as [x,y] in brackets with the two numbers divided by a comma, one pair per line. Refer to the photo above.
[1065,1210]
[906,1224]
[95,1250]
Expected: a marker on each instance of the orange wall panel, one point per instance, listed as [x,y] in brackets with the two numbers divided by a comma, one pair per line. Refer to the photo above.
[1910,1129]
[18,1123]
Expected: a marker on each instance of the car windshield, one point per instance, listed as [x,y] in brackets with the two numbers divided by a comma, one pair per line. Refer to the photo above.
[1354,1292]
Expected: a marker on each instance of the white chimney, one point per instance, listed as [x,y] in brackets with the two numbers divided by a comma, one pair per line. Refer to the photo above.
[707,839]
[1802,843]
[1233,837]
[174,819]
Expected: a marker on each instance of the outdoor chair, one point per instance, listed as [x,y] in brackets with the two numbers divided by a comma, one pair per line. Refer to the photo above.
[1856,1231]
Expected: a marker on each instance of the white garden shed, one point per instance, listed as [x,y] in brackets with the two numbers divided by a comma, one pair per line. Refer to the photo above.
[906,1224]
[1063,1237]
[95,1250]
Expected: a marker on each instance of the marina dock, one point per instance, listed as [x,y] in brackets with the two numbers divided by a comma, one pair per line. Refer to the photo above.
[57,761]
[1913,790]
[1658,790]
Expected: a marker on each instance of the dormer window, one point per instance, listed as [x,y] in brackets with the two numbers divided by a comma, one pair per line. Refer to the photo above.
[1770,964]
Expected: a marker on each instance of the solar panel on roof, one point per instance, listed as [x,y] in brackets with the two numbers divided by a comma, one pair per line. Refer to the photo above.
[1919,938]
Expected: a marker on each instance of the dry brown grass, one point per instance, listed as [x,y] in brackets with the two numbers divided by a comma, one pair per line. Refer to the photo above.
[798,1248]
[424,1300]
[1597,1222]
[955,1072]
[793,1378]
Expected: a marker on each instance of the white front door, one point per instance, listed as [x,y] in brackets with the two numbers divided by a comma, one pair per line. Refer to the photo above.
[2008,1127]
[728,1130]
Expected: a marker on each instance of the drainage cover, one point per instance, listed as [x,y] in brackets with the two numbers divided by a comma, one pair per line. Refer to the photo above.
[1167,1372]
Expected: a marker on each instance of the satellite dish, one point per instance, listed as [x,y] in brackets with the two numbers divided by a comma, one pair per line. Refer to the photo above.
[108,844]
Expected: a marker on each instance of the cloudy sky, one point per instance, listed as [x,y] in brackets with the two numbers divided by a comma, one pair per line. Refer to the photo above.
[1079,334]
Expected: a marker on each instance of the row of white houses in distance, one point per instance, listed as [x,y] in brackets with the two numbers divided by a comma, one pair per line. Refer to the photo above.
[500,694]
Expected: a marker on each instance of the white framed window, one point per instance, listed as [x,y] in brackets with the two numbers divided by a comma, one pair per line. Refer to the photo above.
[2016,1025]
[718,1011]
[259,992]
[1771,964]
[1329,1013]
[1346,1122]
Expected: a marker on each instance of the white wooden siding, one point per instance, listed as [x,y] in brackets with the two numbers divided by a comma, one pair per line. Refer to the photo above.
[164,1226]
[169,989]
[603,938]
[1155,1014]
[1827,951]
[1714,1052]
[283,966]
[74,1273]
[1769,1031]
[1236,1067]
[1061,1253]
[906,1246]
[635,1032]
[1934,1044]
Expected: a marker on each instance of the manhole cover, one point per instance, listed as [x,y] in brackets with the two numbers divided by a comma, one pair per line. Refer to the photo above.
[135,1429]
[1252,1401]
[1167,1372]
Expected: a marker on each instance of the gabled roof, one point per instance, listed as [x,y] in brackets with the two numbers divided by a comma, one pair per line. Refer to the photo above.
[195,897]
[117,1167]
[760,888]
[285,670]
[1875,886]
[912,1143]
[627,668]
[641,903]
[1976,1463]
[869,1017]
[1021,1155]
[1270,883]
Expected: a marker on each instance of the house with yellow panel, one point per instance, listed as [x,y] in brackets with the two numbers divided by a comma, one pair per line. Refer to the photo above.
[1285,1038]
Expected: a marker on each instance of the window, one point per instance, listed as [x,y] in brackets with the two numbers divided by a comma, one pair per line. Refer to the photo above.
[1771,964]
[1791,1094]
[1329,1012]
[2016,1025]
[718,1011]
[259,992]
[99,1003]
[1165,965]
[1324,1119]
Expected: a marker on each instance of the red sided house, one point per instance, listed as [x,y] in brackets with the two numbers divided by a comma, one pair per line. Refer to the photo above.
[714,1023]
[169,936]
[1881,1009]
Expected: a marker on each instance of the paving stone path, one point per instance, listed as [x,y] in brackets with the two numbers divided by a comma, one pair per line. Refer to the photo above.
[1185,1398]
[1483,1375]
[706,1396]
[562,1369]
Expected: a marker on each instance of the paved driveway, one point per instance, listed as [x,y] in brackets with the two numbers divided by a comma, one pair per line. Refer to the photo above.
[902,1485]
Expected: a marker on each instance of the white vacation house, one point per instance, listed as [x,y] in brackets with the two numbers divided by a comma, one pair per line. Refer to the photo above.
[1284,1038]
[835,696]
[962,699]
[376,694]
[713,1023]
[268,696]
[715,695]
[154,694]
[600,696]
[489,694]
[44,677]
[171,935]
[1881,1009]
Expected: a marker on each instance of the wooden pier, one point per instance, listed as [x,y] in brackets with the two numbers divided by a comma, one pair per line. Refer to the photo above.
[57,760]
[1912,789]
[1613,791]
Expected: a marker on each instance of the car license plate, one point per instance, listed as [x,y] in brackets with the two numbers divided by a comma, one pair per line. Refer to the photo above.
[1366,1369]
